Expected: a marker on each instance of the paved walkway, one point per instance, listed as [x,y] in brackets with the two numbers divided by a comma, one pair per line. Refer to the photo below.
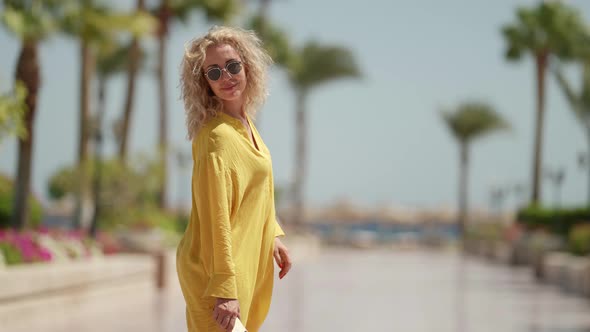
[348,290]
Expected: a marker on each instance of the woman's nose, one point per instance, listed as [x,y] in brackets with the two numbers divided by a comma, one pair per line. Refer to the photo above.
[227,74]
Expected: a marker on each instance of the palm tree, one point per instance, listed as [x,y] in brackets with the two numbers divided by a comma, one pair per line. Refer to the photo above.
[312,66]
[167,12]
[31,22]
[134,54]
[468,122]
[93,24]
[541,32]
[111,59]
[579,102]
[276,41]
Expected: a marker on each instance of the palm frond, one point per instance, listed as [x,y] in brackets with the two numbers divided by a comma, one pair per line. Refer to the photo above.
[316,64]
[472,120]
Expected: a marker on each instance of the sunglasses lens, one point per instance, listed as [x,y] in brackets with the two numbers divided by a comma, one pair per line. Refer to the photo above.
[214,74]
[234,67]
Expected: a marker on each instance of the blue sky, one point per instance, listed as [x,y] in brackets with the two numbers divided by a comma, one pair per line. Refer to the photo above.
[377,140]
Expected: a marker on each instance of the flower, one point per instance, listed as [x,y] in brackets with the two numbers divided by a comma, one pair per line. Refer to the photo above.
[44,245]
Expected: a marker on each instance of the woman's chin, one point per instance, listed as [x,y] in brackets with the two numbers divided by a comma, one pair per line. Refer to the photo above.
[231,95]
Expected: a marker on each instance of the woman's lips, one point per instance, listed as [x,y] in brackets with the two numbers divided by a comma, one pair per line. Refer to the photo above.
[229,87]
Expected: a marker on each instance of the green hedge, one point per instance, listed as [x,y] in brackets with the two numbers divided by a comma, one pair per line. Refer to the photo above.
[492,231]
[142,218]
[11,255]
[558,221]
[7,204]
[579,240]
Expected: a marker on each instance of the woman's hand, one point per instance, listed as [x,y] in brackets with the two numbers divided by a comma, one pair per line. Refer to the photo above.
[225,313]
[282,258]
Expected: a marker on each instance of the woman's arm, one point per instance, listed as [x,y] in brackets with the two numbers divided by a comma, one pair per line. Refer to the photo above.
[212,197]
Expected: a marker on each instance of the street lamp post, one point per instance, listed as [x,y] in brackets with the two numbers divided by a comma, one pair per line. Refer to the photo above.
[520,192]
[556,176]
[498,195]
[584,164]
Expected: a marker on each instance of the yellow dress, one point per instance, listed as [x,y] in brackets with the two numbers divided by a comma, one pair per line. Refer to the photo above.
[226,250]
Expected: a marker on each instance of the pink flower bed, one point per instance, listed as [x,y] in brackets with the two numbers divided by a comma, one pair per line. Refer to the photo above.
[24,243]
[44,245]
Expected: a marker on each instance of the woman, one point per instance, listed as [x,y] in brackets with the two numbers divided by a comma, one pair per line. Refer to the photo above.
[225,258]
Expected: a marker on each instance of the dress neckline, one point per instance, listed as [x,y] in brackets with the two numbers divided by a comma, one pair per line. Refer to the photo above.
[240,127]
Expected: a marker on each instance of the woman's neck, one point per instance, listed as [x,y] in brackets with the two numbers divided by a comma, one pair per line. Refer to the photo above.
[235,108]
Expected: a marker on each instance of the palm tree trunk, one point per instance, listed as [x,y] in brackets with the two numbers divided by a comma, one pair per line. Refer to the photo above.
[87,63]
[96,184]
[131,80]
[541,65]
[27,71]
[85,82]
[463,187]
[163,99]
[300,158]
[588,164]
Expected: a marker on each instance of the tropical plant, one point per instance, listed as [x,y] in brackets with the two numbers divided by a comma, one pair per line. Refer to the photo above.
[31,22]
[579,99]
[550,28]
[35,210]
[312,66]
[12,113]
[95,24]
[469,121]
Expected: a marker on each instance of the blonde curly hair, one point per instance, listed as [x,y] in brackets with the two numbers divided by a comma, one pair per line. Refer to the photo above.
[200,103]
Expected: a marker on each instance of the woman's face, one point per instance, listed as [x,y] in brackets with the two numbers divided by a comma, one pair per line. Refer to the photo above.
[228,86]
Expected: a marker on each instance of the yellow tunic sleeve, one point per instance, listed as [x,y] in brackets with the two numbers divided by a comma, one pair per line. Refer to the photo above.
[278,229]
[213,211]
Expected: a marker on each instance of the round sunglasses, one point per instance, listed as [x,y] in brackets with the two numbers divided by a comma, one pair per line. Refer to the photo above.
[231,68]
